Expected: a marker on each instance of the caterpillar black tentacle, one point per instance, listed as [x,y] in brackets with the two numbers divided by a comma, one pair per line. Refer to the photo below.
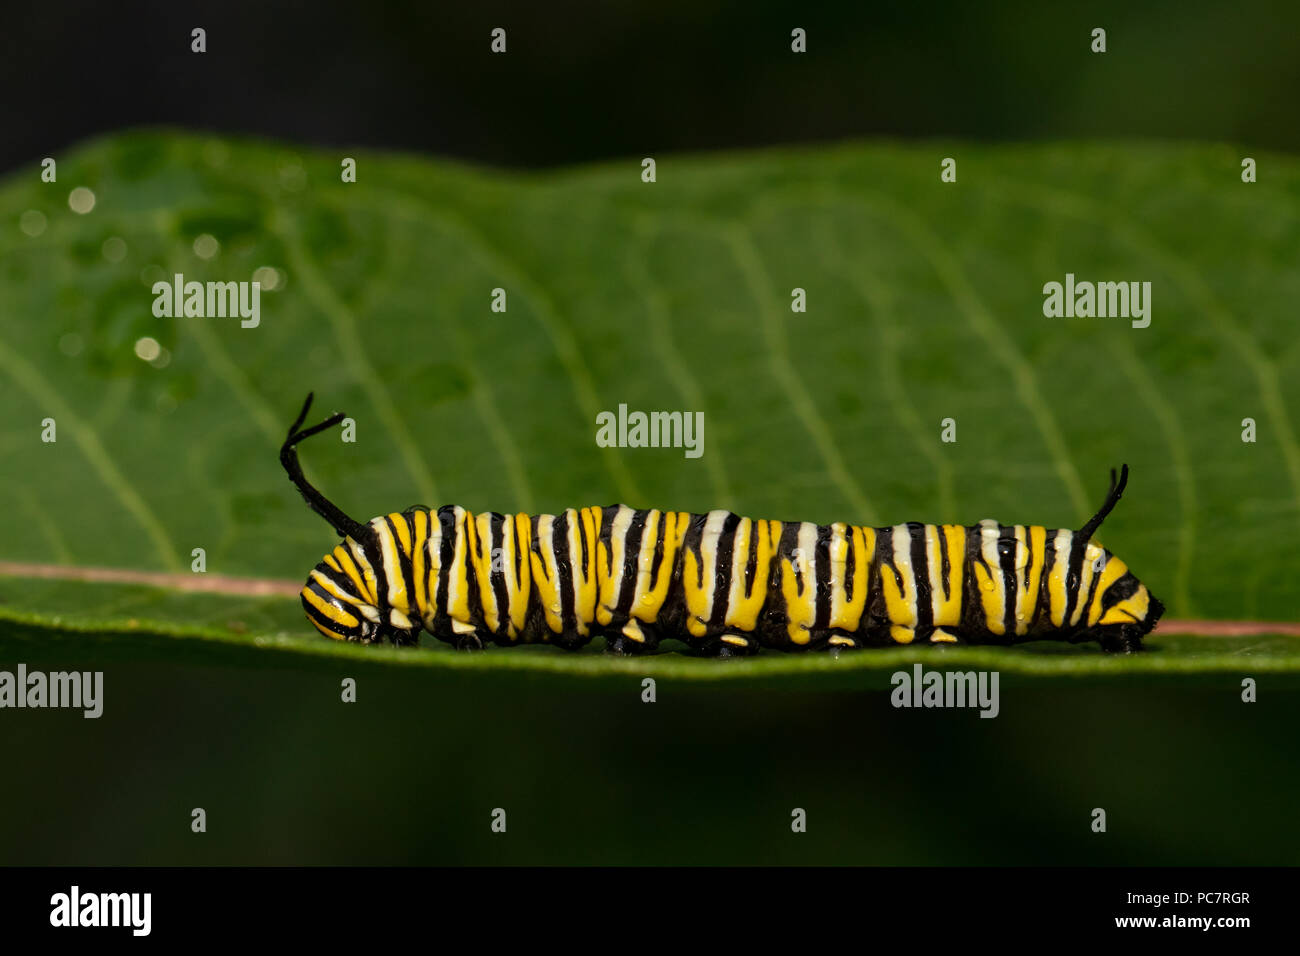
[724,584]
[339,521]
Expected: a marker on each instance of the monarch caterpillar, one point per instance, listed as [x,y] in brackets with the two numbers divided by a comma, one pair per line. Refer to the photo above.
[724,584]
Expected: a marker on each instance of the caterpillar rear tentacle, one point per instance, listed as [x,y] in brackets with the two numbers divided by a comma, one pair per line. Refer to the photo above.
[726,585]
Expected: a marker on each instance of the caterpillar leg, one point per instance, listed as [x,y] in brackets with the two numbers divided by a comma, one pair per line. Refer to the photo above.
[1121,639]
[841,642]
[1113,638]
[632,639]
[737,645]
[940,636]
[467,637]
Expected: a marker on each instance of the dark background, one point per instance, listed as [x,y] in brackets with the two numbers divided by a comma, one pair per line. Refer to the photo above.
[585,81]
[587,772]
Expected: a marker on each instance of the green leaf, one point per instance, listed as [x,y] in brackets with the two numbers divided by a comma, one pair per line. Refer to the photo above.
[924,303]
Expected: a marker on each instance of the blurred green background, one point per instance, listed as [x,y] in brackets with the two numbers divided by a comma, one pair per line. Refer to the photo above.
[586,772]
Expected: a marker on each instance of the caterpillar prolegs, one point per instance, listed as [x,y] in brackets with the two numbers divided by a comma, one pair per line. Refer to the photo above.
[722,583]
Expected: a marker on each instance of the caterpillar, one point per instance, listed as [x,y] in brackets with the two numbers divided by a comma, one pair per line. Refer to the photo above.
[724,584]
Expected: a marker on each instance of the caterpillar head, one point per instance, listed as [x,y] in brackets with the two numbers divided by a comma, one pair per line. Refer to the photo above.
[341,596]
[1128,601]
[1122,611]
[338,599]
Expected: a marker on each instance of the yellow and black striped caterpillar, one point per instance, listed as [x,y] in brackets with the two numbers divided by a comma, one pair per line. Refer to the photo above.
[721,583]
